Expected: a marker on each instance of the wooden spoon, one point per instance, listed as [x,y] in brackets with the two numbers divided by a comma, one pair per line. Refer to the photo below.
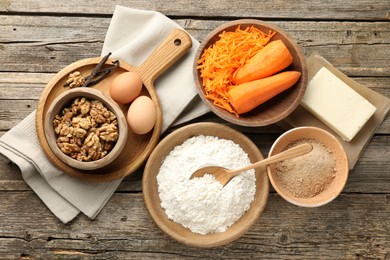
[224,175]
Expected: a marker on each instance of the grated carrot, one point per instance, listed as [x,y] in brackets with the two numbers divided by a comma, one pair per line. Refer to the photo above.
[219,62]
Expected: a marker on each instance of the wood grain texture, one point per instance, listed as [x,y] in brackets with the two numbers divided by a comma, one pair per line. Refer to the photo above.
[358,50]
[38,38]
[370,175]
[295,9]
[124,230]
[14,85]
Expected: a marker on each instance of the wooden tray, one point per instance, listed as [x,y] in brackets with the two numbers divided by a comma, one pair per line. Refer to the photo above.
[138,147]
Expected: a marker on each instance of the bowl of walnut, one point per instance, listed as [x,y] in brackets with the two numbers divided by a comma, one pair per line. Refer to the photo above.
[85,129]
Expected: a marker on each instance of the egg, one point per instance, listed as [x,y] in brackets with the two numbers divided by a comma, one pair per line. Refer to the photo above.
[142,114]
[125,87]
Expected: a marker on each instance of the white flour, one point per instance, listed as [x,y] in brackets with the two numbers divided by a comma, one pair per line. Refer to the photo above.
[201,204]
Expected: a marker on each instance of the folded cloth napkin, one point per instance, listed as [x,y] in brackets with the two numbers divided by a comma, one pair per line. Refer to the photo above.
[64,196]
[132,36]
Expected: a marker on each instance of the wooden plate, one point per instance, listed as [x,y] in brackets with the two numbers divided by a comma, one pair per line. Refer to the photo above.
[177,231]
[138,147]
[274,109]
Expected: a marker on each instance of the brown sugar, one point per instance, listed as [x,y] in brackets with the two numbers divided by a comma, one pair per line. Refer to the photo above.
[310,174]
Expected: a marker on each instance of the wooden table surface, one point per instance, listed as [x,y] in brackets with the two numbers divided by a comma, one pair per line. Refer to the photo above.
[38,38]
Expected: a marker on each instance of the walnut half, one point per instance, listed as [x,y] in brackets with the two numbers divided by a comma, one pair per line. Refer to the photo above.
[75,79]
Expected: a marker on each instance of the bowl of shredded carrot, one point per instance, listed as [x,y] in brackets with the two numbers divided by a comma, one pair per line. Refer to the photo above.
[250,73]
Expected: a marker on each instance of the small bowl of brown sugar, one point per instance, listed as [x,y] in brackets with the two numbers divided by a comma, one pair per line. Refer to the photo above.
[313,179]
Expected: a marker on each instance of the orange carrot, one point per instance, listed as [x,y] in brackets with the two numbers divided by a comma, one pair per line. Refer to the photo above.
[273,58]
[247,96]
[218,62]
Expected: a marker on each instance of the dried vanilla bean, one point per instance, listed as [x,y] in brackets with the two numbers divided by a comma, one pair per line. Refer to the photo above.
[98,73]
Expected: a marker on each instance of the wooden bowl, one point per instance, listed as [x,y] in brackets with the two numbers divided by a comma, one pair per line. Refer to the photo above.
[274,109]
[64,100]
[341,167]
[177,231]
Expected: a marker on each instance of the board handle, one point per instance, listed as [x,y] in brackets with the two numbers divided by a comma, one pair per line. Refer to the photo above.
[168,52]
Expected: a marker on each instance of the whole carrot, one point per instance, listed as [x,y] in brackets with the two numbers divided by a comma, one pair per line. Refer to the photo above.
[247,96]
[273,58]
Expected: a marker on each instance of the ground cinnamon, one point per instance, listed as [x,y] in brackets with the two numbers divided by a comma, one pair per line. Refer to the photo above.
[310,174]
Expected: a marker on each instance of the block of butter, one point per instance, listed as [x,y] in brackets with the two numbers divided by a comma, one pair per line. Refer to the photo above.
[336,104]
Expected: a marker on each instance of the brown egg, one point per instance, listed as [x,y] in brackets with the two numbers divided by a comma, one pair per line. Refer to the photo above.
[141,115]
[126,87]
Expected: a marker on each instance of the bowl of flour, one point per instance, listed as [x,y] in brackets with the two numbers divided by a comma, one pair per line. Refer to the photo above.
[200,212]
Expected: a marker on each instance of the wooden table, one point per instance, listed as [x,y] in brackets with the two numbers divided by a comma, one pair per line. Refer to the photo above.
[38,38]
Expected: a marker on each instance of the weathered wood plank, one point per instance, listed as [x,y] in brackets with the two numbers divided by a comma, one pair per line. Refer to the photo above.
[50,30]
[370,175]
[55,42]
[13,111]
[124,230]
[295,9]
[25,85]
[354,60]
[38,38]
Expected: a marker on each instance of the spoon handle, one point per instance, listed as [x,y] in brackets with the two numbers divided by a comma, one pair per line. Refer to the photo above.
[288,154]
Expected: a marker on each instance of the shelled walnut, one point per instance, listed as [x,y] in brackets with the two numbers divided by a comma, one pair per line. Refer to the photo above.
[75,79]
[87,130]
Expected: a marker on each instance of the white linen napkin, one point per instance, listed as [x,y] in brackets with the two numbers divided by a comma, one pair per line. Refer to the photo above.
[63,195]
[132,36]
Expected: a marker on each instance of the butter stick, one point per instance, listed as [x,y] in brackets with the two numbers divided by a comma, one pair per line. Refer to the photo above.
[336,104]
